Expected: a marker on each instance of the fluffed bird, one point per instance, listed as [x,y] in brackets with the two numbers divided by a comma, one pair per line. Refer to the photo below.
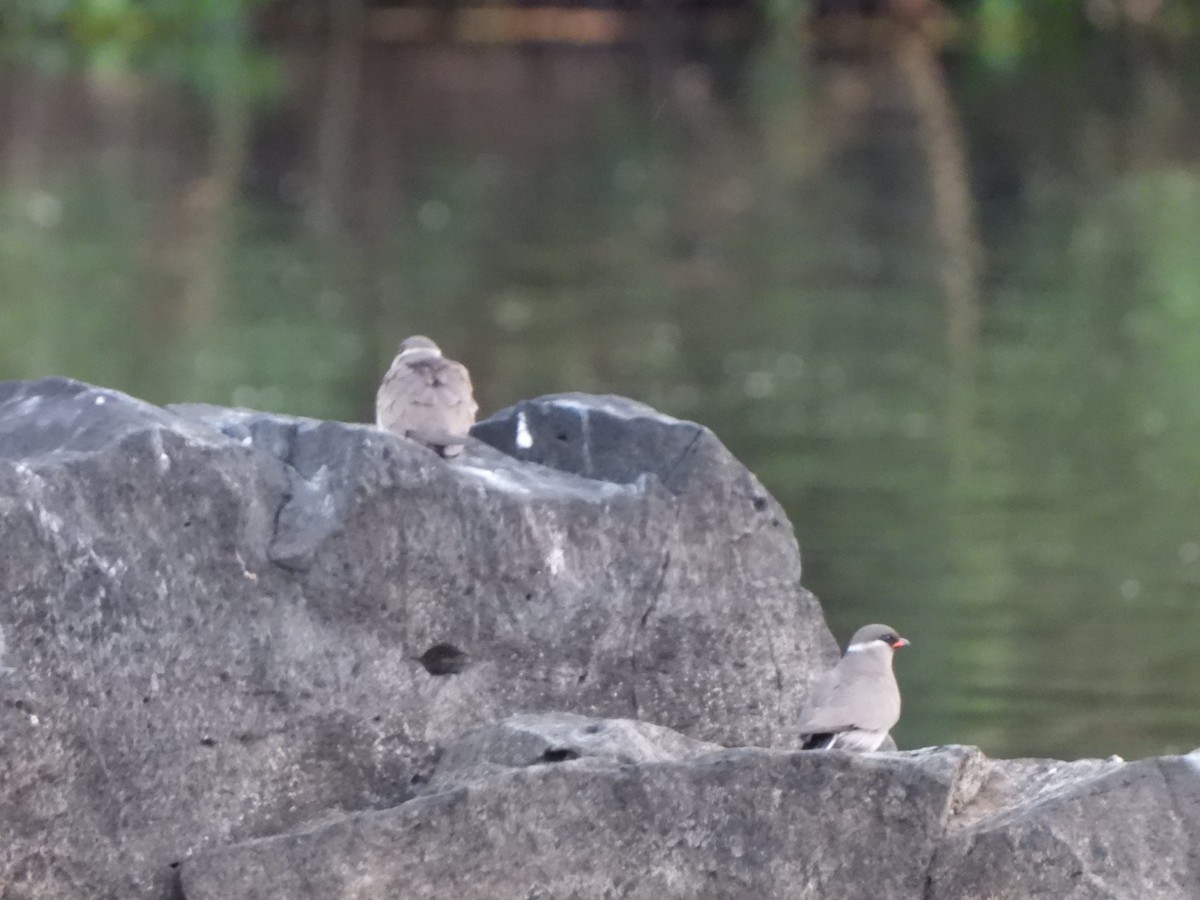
[854,705]
[426,397]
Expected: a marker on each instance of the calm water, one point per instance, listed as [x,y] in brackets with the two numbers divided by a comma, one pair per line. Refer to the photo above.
[948,312]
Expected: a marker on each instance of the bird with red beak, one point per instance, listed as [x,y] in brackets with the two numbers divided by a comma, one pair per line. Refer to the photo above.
[855,704]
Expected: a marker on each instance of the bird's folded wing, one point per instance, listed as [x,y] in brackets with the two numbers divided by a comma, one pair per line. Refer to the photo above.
[824,711]
[826,721]
[854,700]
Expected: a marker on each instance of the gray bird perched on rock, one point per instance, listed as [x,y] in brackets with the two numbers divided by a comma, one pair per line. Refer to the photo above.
[426,397]
[854,705]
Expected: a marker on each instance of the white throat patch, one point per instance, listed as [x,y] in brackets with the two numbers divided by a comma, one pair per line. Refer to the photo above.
[865,645]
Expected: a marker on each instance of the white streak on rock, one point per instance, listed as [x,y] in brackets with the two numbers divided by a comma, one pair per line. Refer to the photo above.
[51,522]
[497,480]
[556,561]
[524,438]
[164,461]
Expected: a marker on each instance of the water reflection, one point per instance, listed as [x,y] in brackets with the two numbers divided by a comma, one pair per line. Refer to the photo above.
[950,320]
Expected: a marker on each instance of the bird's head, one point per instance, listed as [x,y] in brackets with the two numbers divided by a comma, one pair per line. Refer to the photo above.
[418,347]
[876,637]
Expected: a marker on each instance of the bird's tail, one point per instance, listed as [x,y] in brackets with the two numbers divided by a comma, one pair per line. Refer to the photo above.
[446,444]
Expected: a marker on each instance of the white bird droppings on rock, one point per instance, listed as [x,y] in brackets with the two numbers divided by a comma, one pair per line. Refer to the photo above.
[524,438]
[557,560]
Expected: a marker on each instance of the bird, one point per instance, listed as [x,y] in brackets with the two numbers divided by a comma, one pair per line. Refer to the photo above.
[426,397]
[854,705]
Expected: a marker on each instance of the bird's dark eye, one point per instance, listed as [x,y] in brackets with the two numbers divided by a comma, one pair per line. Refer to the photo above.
[889,638]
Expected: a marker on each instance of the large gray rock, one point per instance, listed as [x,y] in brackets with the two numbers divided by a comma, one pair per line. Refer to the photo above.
[220,625]
[560,806]
[270,655]
[748,823]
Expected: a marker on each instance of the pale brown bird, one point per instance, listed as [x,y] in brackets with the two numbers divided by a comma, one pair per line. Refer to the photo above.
[426,397]
[854,705]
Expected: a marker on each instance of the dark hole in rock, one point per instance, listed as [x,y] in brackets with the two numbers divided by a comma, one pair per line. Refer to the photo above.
[594,728]
[376,719]
[529,596]
[582,678]
[418,779]
[559,754]
[175,865]
[760,503]
[207,742]
[443,659]
[561,436]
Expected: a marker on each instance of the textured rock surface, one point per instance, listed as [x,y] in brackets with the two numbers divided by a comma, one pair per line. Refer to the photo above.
[1076,831]
[747,823]
[527,740]
[565,806]
[219,625]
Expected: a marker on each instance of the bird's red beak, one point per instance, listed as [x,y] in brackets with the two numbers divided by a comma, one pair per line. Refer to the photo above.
[900,642]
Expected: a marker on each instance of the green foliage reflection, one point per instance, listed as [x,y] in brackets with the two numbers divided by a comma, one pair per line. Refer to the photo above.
[202,44]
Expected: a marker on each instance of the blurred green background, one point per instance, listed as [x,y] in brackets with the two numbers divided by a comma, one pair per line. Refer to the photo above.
[935,280]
